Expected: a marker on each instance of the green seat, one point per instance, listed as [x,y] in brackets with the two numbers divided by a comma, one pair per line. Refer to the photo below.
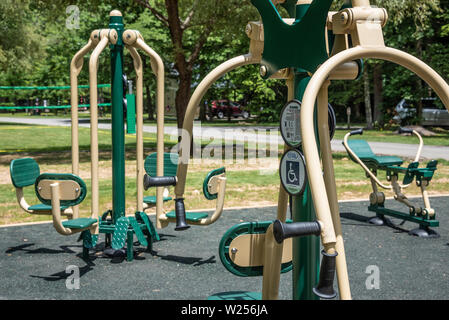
[44,207]
[190,216]
[170,164]
[152,199]
[79,223]
[362,149]
[24,172]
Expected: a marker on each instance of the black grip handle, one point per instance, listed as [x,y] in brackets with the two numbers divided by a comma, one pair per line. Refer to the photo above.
[354,132]
[282,231]
[180,211]
[325,287]
[405,130]
[158,181]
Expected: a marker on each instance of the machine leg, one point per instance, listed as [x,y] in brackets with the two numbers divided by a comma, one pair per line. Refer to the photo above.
[424,232]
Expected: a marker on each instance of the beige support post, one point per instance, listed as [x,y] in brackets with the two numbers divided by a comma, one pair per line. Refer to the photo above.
[331,190]
[75,68]
[106,36]
[273,250]
[135,39]
[56,212]
[139,124]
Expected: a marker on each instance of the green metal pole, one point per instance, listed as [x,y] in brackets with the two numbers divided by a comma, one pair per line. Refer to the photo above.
[117,119]
[306,250]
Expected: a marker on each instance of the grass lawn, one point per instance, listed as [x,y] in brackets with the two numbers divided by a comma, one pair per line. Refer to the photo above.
[249,183]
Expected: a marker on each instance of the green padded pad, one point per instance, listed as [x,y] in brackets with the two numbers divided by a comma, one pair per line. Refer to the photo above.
[43,207]
[62,177]
[149,224]
[190,216]
[24,172]
[257,227]
[152,199]
[362,149]
[120,233]
[170,164]
[79,223]
[211,174]
[409,174]
[89,240]
[139,234]
[236,295]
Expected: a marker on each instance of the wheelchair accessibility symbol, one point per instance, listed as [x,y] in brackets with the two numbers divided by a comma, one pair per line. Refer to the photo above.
[293,172]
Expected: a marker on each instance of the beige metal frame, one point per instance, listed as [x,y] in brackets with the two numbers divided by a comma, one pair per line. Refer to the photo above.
[133,39]
[368,41]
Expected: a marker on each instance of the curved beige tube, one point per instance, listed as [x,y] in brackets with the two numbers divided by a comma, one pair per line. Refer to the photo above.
[200,91]
[218,208]
[331,190]
[93,67]
[139,124]
[133,38]
[56,213]
[75,68]
[314,172]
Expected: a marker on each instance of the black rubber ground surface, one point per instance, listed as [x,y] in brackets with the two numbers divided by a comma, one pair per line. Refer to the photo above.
[185,265]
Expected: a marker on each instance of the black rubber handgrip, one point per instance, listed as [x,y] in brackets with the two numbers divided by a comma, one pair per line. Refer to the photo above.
[180,211]
[158,181]
[325,287]
[282,231]
[354,132]
[405,130]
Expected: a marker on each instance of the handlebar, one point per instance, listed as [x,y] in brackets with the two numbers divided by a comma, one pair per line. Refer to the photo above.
[355,132]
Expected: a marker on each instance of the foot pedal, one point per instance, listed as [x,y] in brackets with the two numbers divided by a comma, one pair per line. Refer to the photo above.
[120,233]
[139,234]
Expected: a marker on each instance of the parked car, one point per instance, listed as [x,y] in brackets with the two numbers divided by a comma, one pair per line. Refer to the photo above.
[433,112]
[222,108]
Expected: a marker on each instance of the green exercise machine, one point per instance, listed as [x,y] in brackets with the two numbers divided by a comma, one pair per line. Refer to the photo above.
[360,152]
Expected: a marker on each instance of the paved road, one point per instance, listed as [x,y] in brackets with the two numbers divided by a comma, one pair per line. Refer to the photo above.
[251,134]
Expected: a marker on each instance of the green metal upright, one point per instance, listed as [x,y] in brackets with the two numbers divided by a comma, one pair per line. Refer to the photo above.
[302,47]
[306,257]
[118,124]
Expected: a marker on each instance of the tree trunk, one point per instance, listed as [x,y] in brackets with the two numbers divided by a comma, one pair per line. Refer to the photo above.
[182,96]
[378,94]
[366,89]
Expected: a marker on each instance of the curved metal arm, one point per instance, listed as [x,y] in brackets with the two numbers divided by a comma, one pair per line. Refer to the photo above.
[75,68]
[307,129]
[418,153]
[139,124]
[93,68]
[198,94]
[134,38]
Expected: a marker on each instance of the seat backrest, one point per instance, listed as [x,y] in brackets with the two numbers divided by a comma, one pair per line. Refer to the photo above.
[72,188]
[210,184]
[24,172]
[361,148]
[170,164]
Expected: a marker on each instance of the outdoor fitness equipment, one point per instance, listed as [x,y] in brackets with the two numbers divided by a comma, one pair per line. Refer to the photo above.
[61,191]
[363,24]
[361,153]
[251,249]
